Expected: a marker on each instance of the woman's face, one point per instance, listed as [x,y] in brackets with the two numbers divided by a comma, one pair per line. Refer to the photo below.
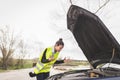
[58,48]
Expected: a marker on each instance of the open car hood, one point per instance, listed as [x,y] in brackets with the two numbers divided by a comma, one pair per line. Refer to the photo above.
[93,37]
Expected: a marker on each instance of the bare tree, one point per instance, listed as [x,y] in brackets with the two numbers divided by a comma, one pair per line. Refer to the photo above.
[22,53]
[102,6]
[8,44]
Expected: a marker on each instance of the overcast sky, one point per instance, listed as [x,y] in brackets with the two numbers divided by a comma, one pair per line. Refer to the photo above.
[45,21]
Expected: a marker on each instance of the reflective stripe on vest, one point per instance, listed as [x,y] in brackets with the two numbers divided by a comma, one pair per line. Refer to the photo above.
[38,67]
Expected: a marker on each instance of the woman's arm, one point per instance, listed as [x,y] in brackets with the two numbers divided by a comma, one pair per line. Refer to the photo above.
[59,61]
[62,61]
[44,60]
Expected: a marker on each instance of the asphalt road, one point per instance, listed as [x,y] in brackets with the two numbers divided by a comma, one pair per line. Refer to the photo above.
[21,74]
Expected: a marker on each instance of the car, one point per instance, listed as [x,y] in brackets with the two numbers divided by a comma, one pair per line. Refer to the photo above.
[98,45]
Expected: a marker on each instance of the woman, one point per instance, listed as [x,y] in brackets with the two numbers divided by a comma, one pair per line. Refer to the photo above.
[47,59]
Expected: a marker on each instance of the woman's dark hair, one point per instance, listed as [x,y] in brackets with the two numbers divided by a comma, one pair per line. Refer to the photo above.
[59,42]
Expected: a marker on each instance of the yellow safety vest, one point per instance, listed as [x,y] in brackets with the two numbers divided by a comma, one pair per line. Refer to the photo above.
[45,67]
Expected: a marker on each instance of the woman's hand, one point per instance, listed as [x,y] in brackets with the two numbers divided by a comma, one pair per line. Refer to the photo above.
[51,58]
[67,60]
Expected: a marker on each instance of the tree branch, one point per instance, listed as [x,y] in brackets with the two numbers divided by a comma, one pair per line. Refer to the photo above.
[102,6]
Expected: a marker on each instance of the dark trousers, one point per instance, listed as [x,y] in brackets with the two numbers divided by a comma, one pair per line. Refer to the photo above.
[42,76]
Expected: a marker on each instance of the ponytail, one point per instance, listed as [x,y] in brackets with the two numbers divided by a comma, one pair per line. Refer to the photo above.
[59,42]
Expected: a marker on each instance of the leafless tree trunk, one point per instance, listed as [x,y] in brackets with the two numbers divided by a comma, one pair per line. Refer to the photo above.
[22,54]
[7,45]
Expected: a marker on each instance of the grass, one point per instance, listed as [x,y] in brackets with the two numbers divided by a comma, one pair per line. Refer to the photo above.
[1,70]
[74,63]
[27,64]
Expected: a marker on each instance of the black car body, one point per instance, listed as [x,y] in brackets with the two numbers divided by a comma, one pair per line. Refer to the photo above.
[98,45]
